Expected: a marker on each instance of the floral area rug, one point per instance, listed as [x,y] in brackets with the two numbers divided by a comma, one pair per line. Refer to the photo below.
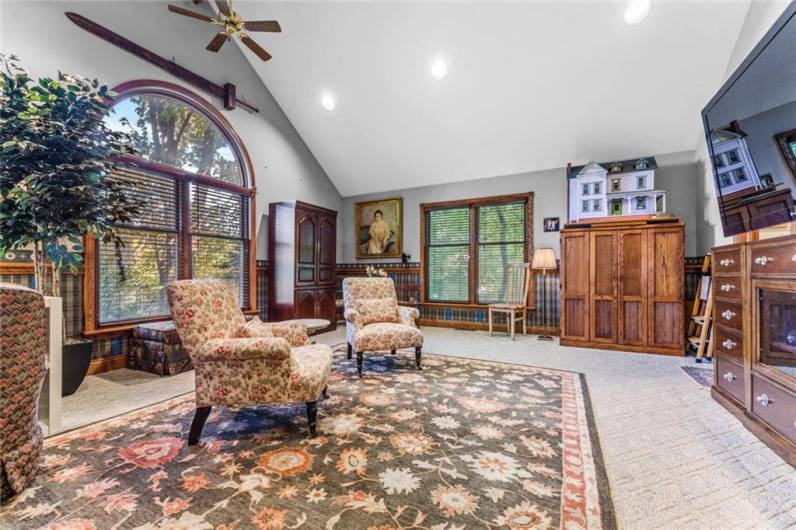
[462,444]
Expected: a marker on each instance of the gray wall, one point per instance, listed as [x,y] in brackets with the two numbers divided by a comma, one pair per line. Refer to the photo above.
[677,175]
[46,41]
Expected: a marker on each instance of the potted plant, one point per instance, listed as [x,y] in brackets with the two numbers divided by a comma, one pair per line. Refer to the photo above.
[56,158]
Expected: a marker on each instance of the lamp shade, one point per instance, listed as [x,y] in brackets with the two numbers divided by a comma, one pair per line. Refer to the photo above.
[544,259]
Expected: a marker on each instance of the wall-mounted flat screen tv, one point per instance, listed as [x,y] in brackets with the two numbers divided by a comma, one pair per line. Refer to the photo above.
[751,133]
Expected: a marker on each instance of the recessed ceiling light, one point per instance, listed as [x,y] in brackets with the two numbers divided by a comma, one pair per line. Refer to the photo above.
[637,11]
[327,101]
[439,69]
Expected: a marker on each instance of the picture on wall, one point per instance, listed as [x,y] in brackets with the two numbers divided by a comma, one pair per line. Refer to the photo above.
[552,224]
[379,228]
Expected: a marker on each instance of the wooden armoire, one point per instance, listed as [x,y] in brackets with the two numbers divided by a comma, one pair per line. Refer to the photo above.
[302,247]
[623,286]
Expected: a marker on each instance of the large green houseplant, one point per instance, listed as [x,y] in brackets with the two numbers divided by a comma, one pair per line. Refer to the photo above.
[56,158]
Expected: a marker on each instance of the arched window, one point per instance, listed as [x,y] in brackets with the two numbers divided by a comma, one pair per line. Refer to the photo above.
[193,180]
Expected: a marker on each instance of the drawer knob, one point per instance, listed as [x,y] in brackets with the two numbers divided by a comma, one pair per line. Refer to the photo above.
[763,400]
[762,260]
[726,262]
[793,258]
[728,344]
[728,315]
[729,377]
[727,287]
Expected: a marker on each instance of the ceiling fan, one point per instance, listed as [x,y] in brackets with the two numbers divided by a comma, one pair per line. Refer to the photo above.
[233,26]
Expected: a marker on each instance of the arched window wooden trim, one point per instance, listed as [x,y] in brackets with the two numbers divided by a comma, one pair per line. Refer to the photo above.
[185,178]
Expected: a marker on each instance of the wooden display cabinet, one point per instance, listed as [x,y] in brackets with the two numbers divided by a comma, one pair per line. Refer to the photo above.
[755,331]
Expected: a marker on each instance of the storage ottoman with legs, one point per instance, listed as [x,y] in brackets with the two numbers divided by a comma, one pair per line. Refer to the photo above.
[157,348]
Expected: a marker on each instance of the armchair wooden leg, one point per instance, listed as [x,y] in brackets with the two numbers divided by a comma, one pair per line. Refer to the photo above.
[524,323]
[418,353]
[198,423]
[490,321]
[359,363]
[511,324]
[325,392]
[350,351]
[312,415]
[392,351]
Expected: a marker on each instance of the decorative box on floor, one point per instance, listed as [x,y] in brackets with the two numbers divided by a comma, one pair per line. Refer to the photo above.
[157,349]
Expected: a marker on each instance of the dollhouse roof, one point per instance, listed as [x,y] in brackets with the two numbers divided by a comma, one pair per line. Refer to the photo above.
[627,166]
[592,167]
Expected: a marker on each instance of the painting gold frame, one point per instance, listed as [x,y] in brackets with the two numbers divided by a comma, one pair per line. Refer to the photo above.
[392,213]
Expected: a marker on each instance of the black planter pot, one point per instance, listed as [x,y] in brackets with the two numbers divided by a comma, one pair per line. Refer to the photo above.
[75,361]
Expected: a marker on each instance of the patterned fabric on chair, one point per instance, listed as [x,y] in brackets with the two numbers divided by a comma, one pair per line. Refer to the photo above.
[238,363]
[375,321]
[23,354]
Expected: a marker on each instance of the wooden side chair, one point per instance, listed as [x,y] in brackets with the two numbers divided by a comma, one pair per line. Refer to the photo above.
[515,301]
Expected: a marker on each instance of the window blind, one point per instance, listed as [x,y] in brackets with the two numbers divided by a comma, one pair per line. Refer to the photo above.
[219,229]
[149,257]
[501,241]
[448,254]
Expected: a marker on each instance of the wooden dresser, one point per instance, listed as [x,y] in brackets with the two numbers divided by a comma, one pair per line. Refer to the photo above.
[623,286]
[302,247]
[755,330]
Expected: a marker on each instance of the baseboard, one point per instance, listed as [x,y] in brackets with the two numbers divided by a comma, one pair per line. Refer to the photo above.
[480,326]
[106,364]
[623,347]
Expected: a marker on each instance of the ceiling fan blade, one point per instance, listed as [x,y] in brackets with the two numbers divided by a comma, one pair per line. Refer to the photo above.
[217,42]
[223,6]
[263,25]
[189,13]
[253,46]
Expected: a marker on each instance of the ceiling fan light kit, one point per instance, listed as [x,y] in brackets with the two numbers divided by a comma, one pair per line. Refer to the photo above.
[232,25]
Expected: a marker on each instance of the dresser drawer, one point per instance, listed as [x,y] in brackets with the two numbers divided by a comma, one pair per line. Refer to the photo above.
[727,287]
[728,342]
[729,377]
[729,314]
[775,406]
[728,261]
[779,258]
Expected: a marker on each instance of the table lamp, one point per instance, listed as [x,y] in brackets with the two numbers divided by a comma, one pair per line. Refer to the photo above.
[544,259]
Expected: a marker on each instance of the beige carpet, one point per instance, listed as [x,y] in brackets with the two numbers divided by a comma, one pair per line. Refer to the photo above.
[675,459]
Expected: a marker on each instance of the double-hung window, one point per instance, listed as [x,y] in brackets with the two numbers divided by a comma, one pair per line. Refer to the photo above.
[468,244]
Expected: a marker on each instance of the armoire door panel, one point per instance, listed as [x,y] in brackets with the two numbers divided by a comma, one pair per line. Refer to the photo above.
[304,307]
[667,324]
[604,320]
[602,270]
[632,287]
[326,305]
[666,288]
[327,234]
[631,326]
[575,249]
[305,234]
[575,325]
[575,286]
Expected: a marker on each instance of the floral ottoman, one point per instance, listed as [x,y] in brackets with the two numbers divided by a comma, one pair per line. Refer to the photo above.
[157,348]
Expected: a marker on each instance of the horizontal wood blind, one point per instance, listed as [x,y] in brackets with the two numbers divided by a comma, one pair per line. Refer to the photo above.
[150,253]
[501,241]
[468,244]
[448,261]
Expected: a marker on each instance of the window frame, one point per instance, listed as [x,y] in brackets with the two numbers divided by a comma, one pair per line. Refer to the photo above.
[474,204]
[184,179]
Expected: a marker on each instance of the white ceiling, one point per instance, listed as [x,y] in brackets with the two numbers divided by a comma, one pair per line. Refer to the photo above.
[531,86]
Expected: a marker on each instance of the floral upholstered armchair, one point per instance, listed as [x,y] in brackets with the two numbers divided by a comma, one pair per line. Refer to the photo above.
[241,363]
[375,321]
[23,354]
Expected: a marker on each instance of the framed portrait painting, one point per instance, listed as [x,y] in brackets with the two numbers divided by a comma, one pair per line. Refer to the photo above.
[378,228]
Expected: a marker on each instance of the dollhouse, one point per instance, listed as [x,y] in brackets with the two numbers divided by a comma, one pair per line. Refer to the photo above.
[621,188]
[737,175]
